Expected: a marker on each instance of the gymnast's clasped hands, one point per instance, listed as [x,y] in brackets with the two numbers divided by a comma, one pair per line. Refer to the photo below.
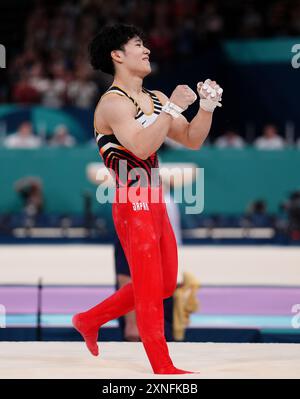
[209,91]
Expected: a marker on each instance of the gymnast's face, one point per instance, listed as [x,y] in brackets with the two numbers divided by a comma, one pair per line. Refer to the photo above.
[134,58]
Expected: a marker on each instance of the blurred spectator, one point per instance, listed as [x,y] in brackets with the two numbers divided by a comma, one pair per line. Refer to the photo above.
[292,207]
[186,38]
[211,21]
[55,95]
[57,33]
[23,138]
[294,16]
[277,22]
[230,139]
[24,92]
[160,43]
[30,191]
[82,91]
[270,139]
[62,138]
[38,80]
[257,214]
[251,23]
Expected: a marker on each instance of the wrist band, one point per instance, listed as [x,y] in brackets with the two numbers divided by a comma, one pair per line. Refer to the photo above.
[209,105]
[172,109]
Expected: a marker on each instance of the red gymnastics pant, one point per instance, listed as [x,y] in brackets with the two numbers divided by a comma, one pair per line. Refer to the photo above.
[150,247]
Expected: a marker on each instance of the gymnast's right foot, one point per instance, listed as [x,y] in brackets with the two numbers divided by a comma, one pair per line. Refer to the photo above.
[88,333]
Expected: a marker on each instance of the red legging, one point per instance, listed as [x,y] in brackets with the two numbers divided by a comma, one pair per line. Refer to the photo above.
[151,251]
[150,247]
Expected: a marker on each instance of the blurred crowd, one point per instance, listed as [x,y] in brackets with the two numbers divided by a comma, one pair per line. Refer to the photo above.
[284,223]
[53,69]
[269,139]
[25,137]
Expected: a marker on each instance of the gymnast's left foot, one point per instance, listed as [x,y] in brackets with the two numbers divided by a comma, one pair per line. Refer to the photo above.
[88,332]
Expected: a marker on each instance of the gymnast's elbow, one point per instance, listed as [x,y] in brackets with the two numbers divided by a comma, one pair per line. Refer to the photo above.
[194,146]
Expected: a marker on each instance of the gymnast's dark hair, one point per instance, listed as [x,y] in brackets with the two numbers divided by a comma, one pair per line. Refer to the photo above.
[111,37]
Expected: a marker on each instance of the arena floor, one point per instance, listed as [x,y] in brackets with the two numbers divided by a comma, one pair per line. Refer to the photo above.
[69,360]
